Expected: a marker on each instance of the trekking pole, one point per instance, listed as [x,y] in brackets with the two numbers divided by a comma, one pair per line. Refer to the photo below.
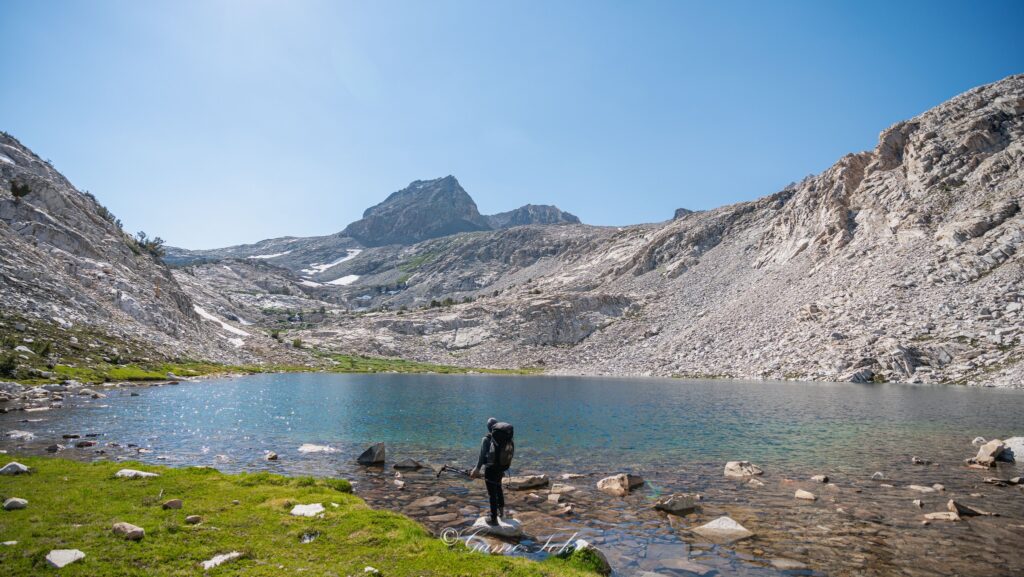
[444,468]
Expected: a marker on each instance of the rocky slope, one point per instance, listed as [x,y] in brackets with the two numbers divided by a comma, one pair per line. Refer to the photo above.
[66,265]
[900,264]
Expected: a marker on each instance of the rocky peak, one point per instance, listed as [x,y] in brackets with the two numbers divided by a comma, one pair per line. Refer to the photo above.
[532,214]
[425,209]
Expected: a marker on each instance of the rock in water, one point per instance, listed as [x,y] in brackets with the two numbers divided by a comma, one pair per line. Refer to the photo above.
[428,502]
[504,528]
[311,510]
[410,464]
[133,474]
[311,448]
[14,468]
[271,456]
[218,560]
[678,504]
[965,511]
[805,495]
[741,469]
[820,478]
[525,482]
[989,452]
[61,557]
[942,516]
[723,530]
[129,531]
[616,485]
[1013,450]
[14,503]
[374,455]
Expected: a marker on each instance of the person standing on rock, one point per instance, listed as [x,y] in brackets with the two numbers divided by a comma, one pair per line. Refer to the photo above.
[496,451]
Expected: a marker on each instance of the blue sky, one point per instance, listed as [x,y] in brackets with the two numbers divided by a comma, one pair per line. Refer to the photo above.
[220,122]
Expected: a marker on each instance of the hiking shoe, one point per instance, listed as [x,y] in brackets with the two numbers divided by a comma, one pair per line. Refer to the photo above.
[492,520]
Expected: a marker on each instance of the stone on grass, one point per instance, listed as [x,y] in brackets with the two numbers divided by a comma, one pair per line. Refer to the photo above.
[133,474]
[129,531]
[14,468]
[723,530]
[61,557]
[311,510]
[525,482]
[678,504]
[741,469]
[504,527]
[604,568]
[173,504]
[14,503]
[373,455]
[805,495]
[193,519]
[410,464]
[219,560]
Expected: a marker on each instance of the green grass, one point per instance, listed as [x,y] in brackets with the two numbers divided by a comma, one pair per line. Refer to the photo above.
[73,505]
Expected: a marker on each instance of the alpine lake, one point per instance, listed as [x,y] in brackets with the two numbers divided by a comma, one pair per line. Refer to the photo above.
[675,434]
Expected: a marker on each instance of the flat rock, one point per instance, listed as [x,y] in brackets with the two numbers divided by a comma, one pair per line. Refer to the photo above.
[218,560]
[805,495]
[443,518]
[921,488]
[61,557]
[741,469]
[428,502]
[504,528]
[311,510]
[942,516]
[678,504]
[134,474]
[684,565]
[526,482]
[784,564]
[408,464]
[129,531]
[13,468]
[723,530]
[14,503]
[561,488]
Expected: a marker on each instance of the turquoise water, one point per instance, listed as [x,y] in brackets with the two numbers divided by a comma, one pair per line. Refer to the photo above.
[588,423]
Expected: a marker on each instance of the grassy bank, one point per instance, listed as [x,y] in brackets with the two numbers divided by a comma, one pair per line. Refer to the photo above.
[73,505]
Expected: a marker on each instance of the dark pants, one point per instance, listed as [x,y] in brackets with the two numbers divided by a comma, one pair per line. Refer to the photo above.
[494,493]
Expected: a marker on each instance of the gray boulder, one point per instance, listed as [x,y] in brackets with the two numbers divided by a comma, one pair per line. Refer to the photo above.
[374,455]
[1013,450]
[14,468]
[14,503]
[678,504]
[742,469]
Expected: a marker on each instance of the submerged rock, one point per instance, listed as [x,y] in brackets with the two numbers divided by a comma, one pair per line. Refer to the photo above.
[805,495]
[741,469]
[428,502]
[408,464]
[311,448]
[525,482]
[723,530]
[373,455]
[678,504]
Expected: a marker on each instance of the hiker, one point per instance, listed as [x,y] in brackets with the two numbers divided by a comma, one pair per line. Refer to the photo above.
[496,453]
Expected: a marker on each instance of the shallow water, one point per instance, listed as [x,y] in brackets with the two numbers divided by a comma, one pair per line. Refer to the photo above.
[676,434]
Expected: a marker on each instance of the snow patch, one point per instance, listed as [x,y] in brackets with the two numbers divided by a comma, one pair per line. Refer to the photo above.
[275,255]
[350,254]
[345,280]
[202,312]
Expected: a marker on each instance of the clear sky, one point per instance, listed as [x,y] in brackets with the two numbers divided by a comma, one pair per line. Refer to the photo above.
[214,122]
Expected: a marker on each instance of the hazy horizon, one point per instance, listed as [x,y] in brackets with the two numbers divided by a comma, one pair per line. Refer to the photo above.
[226,122]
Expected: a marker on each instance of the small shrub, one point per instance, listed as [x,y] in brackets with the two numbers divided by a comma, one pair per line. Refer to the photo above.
[297,343]
[154,246]
[19,190]
[8,366]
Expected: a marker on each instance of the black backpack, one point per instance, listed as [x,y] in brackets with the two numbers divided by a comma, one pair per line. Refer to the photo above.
[502,446]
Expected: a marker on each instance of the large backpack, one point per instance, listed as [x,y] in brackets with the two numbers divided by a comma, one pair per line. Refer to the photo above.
[502,446]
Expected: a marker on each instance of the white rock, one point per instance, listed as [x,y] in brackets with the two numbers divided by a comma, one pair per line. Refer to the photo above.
[218,560]
[805,495]
[311,510]
[524,482]
[504,528]
[14,503]
[14,468]
[428,502]
[60,557]
[17,435]
[134,474]
[723,530]
[128,531]
[741,469]
[1013,450]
